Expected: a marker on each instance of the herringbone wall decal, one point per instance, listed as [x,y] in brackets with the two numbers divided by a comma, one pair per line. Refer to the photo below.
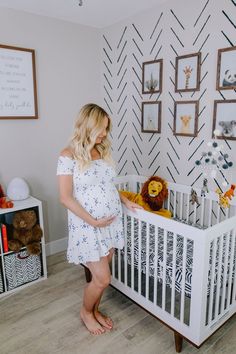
[174,29]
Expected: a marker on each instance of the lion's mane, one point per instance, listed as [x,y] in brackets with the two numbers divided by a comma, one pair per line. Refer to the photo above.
[155,203]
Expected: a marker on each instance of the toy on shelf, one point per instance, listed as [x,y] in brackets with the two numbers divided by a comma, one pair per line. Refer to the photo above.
[26,232]
[4,201]
[152,196]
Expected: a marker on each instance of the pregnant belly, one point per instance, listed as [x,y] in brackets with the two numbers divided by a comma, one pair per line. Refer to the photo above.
[101,202]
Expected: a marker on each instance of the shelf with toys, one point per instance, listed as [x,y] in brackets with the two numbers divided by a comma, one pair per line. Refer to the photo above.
[22,245]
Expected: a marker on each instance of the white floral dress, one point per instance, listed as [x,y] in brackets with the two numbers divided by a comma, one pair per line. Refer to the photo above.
[94,189]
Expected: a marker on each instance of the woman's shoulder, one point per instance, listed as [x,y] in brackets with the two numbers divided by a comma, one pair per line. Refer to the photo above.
[67,152]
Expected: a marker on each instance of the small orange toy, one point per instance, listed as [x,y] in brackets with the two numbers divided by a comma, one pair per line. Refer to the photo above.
[230,193]
[6,203]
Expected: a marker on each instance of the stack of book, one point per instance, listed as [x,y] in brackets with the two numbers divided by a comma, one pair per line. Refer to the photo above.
[3,236]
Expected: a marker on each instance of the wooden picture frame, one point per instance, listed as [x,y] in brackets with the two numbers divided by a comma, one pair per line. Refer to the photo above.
[186,118]
[188,72]
[226,69]
[152,72]
[18,91]
[224,119]
[151,117]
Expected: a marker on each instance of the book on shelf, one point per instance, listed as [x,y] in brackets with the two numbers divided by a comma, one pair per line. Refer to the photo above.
[4,238]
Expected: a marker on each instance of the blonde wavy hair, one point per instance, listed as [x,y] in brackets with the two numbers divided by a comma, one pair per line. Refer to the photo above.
[88,126]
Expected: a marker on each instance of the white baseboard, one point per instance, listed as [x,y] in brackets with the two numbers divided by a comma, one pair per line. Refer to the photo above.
[56,246]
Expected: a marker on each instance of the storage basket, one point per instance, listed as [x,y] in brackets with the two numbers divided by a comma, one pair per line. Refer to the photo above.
[1,280]
[20,268]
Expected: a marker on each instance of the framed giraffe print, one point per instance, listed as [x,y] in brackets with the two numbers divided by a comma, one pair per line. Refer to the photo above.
[188,72]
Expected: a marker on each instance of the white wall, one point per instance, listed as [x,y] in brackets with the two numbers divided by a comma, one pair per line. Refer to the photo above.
[67,77]
[173,29]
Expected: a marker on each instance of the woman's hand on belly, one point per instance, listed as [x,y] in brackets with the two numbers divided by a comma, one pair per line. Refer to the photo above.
[103,222]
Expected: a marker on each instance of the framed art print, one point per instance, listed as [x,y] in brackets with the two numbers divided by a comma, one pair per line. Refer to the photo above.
[186,118]
[226,69]
[152,76]
[224,119]
[18,95]
[187,72]
[151,117]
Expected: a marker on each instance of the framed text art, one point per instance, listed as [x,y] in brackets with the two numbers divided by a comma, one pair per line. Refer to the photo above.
[224,119]
[186,118]
[152,76]
[18,93]
[187,72]
[151,117]
[226,69]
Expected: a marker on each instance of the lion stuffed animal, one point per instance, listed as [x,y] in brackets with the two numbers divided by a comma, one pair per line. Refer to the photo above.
[152,196]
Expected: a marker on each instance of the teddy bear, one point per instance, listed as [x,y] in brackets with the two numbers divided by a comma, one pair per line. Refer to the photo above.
[26,232]
[152,196]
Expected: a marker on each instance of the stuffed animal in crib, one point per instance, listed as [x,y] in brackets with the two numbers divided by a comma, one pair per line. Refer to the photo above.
[152,196]
[230,193]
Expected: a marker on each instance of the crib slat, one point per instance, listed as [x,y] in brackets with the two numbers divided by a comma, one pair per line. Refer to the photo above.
[164,270]
[119,266]
[213,268]
[125,258]
[132,253]
[113,265]
[181,206]
[210,213]
[174,211]
[216,311]
[139,254]
[155,265]
[195,213]
[188,205]
[173,275]
[227,236]
[183,279]
[234,282]
[218,214]
[202,212]
[147,260]
[231,269]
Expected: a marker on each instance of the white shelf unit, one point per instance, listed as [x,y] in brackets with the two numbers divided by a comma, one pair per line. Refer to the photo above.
[28,203]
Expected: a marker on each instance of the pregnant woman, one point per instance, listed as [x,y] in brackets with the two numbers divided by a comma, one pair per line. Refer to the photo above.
[86,173]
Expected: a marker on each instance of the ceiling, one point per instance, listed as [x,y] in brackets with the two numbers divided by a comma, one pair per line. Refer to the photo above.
[95,13]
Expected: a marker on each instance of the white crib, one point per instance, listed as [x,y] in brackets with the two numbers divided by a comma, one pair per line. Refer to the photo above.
[181,270]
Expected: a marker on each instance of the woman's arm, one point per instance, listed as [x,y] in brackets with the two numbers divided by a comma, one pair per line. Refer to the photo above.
[67,199]
[129,205]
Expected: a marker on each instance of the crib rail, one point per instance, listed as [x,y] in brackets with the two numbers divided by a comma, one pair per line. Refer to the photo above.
[207,213]
[183,274]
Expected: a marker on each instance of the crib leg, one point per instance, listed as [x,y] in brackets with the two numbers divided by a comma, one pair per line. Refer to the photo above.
[178,342]
[88,274]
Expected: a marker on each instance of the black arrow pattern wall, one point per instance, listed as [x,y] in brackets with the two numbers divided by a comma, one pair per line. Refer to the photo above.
[171,30]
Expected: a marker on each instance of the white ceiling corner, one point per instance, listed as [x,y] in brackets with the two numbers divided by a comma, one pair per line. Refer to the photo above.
[95,13]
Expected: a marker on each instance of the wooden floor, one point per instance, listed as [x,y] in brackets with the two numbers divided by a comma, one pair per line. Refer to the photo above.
[44,319]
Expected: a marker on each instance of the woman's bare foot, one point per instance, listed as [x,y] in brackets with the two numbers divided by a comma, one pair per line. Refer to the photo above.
[103,320]
[91,323]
